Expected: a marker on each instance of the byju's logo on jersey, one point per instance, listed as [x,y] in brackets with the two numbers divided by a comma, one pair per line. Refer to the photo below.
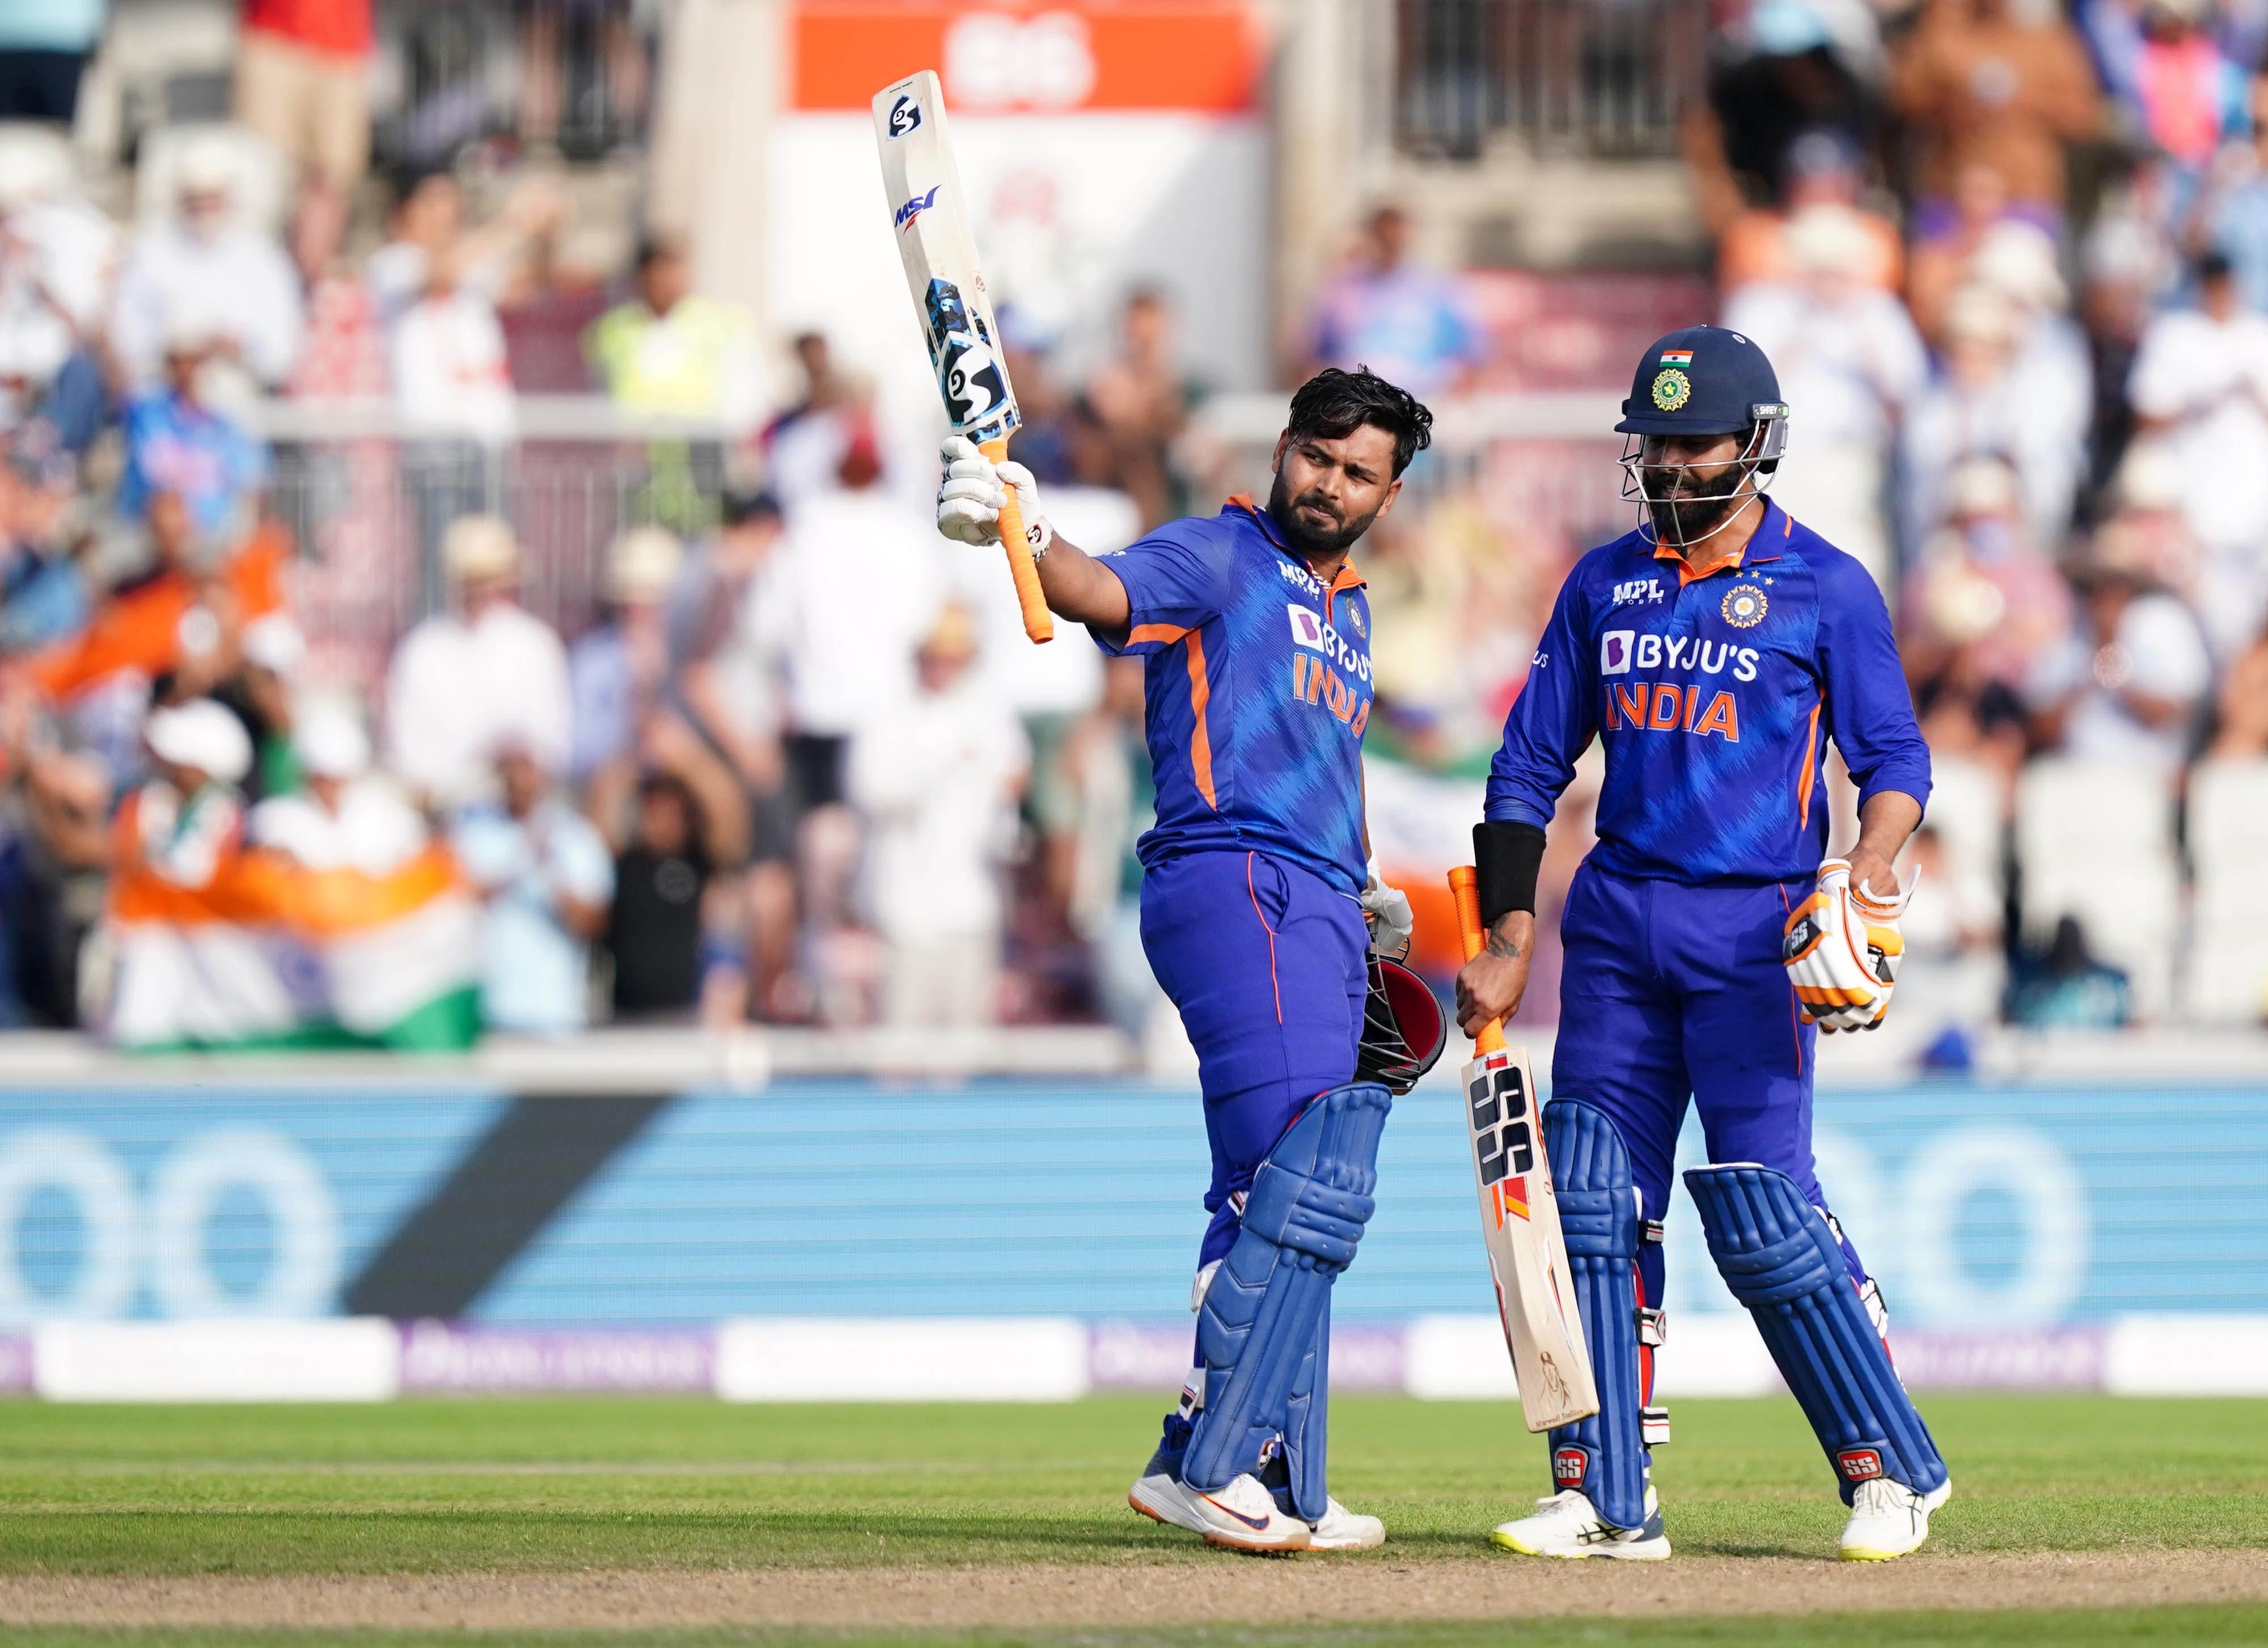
[1307,627]
[1615,650]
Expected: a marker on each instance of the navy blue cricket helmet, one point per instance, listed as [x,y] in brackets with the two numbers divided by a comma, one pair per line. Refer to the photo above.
[1702,380]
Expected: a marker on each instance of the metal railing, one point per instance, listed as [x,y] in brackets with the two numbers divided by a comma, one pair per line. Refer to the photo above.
[1599,78]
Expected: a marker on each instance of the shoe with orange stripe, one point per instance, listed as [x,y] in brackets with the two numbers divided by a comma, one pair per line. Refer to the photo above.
[1242,1516]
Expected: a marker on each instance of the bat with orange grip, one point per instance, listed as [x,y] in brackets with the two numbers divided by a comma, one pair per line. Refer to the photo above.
[1519,1213]
[931,220]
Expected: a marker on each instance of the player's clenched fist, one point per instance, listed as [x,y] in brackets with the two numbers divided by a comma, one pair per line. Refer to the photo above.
[969,497]
[1841,948]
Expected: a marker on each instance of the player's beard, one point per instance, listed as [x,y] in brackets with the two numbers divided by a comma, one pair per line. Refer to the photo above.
[1313,544]
[1687,517]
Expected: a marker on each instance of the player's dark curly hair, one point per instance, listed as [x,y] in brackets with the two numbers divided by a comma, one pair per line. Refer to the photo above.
[1334,404]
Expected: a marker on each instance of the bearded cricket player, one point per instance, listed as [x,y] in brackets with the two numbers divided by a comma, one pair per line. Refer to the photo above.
[1258,905]
[1714,651]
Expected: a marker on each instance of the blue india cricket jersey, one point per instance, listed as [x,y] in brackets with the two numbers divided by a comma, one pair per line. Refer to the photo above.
[1259,690]
[1714,698]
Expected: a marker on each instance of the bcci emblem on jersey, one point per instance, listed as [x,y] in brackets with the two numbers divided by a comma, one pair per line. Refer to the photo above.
[1744,606]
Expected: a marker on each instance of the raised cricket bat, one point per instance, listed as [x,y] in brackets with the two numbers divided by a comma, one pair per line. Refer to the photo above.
[929,215]
[1520,1214]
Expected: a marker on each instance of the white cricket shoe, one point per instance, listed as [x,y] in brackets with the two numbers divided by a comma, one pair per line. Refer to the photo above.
[1241,1516]
[1887,1519]
[1565,1524]
[1342,1529]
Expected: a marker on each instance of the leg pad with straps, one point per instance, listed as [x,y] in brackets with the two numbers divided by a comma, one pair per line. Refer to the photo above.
[1263,1330]
[1605,1454]
[1779,1259]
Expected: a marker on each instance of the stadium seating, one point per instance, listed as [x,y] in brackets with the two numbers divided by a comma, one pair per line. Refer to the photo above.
[2096,842]
[2227,976]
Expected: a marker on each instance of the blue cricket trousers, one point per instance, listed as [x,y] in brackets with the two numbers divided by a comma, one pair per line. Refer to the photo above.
[1267,964]
[1669,991]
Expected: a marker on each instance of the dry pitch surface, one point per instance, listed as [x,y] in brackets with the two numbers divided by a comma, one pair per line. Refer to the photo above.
[2074,1520]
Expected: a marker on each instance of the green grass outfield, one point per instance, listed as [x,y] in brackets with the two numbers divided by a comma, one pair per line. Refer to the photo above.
[529,1484]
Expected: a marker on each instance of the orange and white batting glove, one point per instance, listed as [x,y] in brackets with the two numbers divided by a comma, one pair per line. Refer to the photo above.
[969,497]
[1841,948]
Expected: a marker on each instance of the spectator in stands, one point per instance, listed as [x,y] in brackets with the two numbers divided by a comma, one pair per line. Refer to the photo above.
[2127,259]
[448,361]
[345,355]
[668,350]
[45,593]
[937,782]
[803,444]
[2126,685]
[1408,323]
[1983,586]
[724,686]
[52,396]
[1821,173]
[617,670]
[55,847]
[468,681]
[1142,397]
[1783,78]
[2051,369]
[206,271]
[2239,730]
[262,695]
[346,817]
[303,82]
[545,878]
[2172,85]
[1106,763]
[2231,214]
[853,589]
[58,250]
[2067,987]
[188,815]
[1848,355]
[1991,84]
[656,931]
[177,441]
[1941,260]
[44,47]
[2200,385]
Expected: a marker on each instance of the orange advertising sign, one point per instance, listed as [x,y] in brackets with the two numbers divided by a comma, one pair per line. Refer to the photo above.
[1031,56]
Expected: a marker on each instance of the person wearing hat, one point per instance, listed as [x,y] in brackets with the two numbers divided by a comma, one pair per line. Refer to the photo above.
[483,673]
[208,266]
[1713,651]
[936,783]
[615,671]
[343,816]
[187,818]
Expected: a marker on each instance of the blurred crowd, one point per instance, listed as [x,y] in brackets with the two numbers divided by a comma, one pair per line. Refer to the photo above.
[794,762]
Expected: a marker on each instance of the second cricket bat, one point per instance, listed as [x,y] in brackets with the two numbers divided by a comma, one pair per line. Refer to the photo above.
[929,216]
[1520,1215]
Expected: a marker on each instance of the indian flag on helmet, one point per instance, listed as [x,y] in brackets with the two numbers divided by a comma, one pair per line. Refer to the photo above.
[254,950]
[1678,357]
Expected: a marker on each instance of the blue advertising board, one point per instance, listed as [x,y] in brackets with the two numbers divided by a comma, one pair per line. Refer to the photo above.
[2002,1206]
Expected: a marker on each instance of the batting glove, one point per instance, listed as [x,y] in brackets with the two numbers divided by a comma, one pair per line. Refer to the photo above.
[1841,948]
[969,497]
[1392,923]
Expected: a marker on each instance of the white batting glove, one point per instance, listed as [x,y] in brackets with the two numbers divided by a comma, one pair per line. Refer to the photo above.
[1392,923]
[969,497]
[1841,948]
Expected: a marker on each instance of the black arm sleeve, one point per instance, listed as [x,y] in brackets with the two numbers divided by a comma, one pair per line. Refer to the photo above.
[1505,858]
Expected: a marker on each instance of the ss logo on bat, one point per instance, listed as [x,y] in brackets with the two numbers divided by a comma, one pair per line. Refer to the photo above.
[1503,1141]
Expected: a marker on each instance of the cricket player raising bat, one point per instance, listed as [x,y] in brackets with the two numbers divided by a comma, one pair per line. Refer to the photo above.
[1254,897]
[1713,651]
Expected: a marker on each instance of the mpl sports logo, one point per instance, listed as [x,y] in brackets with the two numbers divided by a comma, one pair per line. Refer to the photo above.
[1647,590]
[1860,1464]
[915,207]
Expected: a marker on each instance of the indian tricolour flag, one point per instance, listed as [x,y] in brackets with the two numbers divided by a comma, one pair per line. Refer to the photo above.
[268,953]
[1678,357]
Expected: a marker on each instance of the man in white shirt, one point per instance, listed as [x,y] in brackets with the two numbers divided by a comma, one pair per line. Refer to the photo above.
[1847,354]
[2124,688]
[450,373]
[468,681]
[2201,379]
[209,267]
[347,818]
[937,782]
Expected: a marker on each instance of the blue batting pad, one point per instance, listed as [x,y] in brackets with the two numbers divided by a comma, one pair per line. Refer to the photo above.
[1781,1261]
[1262,1331]
[1605,1454]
